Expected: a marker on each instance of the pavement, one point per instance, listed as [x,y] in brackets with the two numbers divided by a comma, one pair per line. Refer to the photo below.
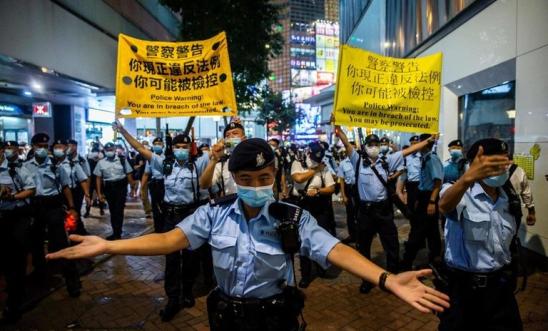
[126,293]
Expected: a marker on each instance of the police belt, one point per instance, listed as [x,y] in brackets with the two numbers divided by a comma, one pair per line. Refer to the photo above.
[115,183]
[48,201]
[479,279]
[374,204]
[156,180]
[13,213]
[181,208]
[247,306]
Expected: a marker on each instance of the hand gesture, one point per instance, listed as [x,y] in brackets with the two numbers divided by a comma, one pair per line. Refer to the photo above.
[319,167]
[409,288]
[312,192]
[102,199]
[117,126]
[89,246]
[531,219]
[485,166]
[431,209]
[87,198]
[218,150]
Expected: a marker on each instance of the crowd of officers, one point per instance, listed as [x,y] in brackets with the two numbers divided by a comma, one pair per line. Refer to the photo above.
[373,179]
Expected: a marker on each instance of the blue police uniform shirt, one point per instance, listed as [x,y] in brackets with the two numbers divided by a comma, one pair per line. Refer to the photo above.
[331,165]
[156,173]
[431,169]
[182,185]
[451,171]
[248,259]
[413,162]
[112,170]
[47,182]
[23,181]
[346,171]
[370,187]
[77,174]
[479,231]
[83,162]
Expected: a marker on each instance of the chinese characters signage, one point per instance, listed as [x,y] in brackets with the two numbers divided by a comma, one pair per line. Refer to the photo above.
[388,93]
[166,79]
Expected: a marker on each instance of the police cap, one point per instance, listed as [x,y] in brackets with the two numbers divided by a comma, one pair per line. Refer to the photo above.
[59,142]
[231,126]
[109,145]
[414,139]
[276,140]
[72,142]
[372,138]
[251,155]
[455,142]
[39,138]
[424,136]
[491,146]
[385,140]
[182,139]
[157,140]
[11,143]
[317,151]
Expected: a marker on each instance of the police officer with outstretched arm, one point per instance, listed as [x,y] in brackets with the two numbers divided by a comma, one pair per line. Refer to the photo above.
[16,187]
[483,215]
[156,185]
[252,239]
[182,196]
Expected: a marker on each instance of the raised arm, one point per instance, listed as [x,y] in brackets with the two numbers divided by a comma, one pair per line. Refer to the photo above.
[145,152]
[417,147]
[151,244]
[206,179]
[344,139]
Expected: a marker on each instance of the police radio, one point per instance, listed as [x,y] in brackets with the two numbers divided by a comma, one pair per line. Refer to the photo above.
[168,161]
[288,229]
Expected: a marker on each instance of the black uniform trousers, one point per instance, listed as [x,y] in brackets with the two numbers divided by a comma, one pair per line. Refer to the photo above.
[378,217]
[412,189]
[116,193]
[78,198]
[49,215]
[92,188]
[14,247]
[183,267]
[318,207]
[426,227]
[351,211]
[489,307]
[157,190]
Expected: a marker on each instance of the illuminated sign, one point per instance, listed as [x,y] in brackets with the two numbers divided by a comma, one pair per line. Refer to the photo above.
[42,109]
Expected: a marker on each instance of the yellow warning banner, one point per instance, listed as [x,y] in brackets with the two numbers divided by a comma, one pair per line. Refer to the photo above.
[381,92]
[168,79]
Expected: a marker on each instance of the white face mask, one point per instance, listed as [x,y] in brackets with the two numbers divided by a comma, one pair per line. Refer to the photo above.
[373,151]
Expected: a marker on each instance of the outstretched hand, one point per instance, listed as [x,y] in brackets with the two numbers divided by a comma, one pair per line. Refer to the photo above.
[484,166]
[410,289]
[89,246]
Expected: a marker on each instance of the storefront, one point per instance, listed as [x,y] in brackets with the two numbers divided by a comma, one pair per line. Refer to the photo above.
[15,122]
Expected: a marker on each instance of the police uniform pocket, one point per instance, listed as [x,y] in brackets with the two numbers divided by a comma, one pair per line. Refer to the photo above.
[476,226]
[223,251]
[270,260]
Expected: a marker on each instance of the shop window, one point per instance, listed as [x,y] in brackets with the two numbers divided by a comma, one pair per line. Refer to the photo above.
[489,113]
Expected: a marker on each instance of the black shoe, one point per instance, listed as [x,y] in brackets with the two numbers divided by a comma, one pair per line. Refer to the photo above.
[188,302]
[86,215]
[304,283]
[366,287]
[170,310]
[113,237]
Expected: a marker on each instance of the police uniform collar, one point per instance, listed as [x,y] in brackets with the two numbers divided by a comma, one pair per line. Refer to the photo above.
[46,162]
[477,190]
[238,209]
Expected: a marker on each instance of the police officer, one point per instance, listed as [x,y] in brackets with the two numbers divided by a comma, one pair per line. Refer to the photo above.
[52,197]
[112,176]
[347,179]
[254,273]
[156,187]
[375,213]
[426,226]
[182,196]
[413,172]
[66,155]
[280,184]
[93,158]
[385,147]
[216,175]
[455,166]
[16,187]
[313,188]
[483,215]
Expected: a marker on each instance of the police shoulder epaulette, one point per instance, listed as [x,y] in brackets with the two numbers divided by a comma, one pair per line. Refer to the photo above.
[223,200]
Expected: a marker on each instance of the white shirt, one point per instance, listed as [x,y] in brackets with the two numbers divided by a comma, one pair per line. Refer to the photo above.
[223,177]
[521,185]
[315,182]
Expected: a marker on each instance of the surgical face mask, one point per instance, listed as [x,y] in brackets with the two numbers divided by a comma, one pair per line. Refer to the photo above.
[158,149]
[231,143]
[455,154]
[255,196]
[8,153]
[311,163]
[41,153]
[496,181]
[384,149]
[109,154]
[372,151]
[181,154]
[58,152]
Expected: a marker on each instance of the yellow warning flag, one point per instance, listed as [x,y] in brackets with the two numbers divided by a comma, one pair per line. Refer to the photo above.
[382,92]
[168,79]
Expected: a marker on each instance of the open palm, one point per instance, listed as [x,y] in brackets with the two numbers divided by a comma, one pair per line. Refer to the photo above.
[89,246]
[410,289]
